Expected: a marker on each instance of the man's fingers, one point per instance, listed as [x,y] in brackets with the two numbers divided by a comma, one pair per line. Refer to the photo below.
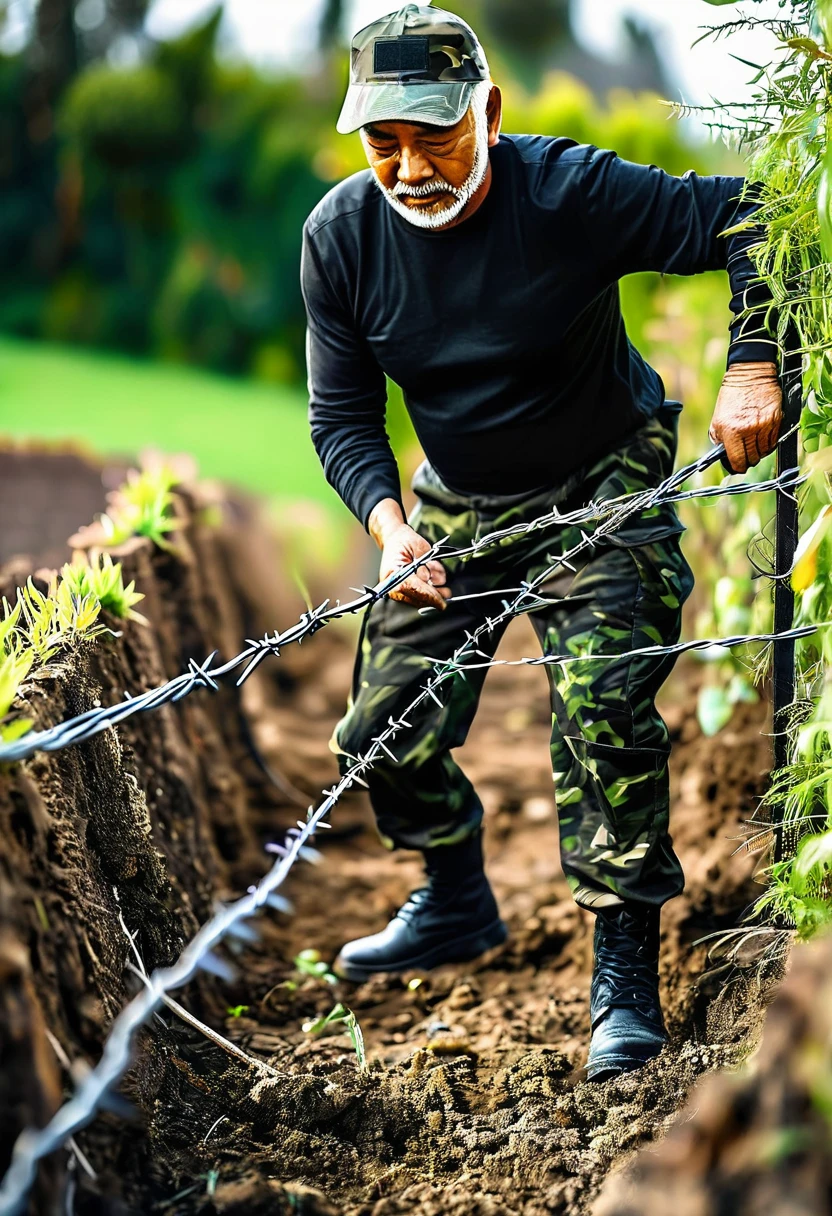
[420,594]
[771,437]
[736,452]
[438,575]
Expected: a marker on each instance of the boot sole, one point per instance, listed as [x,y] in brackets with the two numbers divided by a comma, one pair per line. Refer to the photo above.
[463,950]
[607,1067]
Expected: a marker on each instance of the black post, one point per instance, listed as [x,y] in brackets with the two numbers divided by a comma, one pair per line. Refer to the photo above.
[785,543]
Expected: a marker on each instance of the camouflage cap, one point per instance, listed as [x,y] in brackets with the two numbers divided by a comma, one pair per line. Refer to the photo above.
[419,64]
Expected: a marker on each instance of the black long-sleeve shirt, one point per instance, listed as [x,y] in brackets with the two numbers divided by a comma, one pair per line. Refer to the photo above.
[505,332]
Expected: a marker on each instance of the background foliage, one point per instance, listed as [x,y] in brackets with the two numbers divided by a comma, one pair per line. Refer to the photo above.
[151,206]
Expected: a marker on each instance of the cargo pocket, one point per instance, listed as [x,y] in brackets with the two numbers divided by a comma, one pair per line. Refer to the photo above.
[629,784]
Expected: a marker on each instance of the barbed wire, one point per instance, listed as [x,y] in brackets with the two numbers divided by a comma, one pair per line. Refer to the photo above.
[609,514]
[739,639]
[230,920]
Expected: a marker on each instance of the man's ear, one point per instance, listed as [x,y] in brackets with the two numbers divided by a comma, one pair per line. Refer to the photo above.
[494,114]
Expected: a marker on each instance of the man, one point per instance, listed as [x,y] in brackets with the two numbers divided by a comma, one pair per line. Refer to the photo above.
[480,272]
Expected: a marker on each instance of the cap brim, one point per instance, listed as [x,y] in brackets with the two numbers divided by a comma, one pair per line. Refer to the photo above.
[438,102]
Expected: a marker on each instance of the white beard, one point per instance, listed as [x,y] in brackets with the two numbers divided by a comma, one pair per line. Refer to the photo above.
[461,194]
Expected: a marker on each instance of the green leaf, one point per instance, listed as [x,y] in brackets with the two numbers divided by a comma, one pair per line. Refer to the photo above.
[309,962]
[741,689]
[814,851]
[10,731]
[341,1014]
[824,205]
[824,16]
[713,709]
[805,565]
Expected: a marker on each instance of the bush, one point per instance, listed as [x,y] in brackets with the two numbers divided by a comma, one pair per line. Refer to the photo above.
[124,117]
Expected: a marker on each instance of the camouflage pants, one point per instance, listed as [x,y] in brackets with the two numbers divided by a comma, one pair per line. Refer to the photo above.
[609,745]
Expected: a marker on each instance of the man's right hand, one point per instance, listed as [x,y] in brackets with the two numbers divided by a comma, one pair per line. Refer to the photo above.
[400,545]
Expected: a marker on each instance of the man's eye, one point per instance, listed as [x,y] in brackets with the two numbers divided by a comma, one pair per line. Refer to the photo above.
[437,147]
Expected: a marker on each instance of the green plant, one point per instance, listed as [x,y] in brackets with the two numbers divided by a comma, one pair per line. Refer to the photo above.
[309,962]
[50,620]
[13,671]
[785,133]
[41,623]
[340,1015]
[143,506]
[102,578]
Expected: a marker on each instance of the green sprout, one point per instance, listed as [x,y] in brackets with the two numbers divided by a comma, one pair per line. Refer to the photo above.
[143,506]
[102,578]
[309,962]
[340,1015]
[42,623]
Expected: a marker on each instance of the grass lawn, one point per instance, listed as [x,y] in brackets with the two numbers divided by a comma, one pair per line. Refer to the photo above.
[250,434]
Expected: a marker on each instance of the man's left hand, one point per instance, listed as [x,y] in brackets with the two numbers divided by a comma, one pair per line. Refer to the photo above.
[749,410]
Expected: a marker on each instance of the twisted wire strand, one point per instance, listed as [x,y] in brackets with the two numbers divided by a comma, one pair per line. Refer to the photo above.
[230,920]
[610,514]
[738,639]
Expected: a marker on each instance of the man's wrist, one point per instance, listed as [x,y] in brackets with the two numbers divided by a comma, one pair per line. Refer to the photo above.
[750,373]
[384,518]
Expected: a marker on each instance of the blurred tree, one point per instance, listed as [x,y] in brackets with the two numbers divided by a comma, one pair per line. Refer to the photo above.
[110,28]
[162,210]
[331,28]
[528,31]
[55,51]
[532,37]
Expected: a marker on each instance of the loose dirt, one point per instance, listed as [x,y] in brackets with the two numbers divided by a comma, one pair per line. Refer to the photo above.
[473,1101]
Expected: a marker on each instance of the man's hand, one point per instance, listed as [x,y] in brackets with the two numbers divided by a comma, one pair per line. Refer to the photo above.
[748,413]
[400,545]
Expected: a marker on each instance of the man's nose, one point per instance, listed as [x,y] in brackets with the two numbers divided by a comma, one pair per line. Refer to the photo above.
[413,167]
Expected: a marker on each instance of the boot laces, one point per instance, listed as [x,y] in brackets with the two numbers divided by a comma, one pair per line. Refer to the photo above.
[626,973]
[413,905]
[435,894]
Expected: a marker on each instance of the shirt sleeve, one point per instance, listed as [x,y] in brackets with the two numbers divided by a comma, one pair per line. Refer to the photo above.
[347,396]
[640,218]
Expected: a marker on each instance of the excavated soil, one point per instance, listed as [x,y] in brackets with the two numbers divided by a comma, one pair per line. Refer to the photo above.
[760,1142]
[473,1101]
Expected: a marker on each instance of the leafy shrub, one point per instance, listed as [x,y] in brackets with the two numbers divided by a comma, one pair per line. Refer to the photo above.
[125,117]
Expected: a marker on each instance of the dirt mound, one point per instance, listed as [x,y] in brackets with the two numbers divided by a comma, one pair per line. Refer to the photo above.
[153,822]
[473,1101]
[758,1142]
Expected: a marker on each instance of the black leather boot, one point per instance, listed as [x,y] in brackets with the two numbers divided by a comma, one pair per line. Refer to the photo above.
[627,1024]
[451,920]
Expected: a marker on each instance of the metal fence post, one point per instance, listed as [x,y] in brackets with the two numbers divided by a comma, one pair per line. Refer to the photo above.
[785,543]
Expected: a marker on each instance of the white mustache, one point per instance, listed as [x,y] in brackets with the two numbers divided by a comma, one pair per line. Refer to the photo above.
[437,185]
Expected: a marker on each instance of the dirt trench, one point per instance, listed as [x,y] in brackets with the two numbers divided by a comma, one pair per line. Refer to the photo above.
[473,1101]
[759,1142]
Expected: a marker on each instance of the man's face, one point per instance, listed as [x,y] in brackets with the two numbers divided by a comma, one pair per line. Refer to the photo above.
[427,158]
[429,173]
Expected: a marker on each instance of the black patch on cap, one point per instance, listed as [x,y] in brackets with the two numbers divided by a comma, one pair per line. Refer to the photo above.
[408,53]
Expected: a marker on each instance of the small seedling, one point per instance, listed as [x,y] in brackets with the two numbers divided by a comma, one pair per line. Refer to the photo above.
[102,579]
[338,1016]
[143,506]
[237,1011]
[309,962]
